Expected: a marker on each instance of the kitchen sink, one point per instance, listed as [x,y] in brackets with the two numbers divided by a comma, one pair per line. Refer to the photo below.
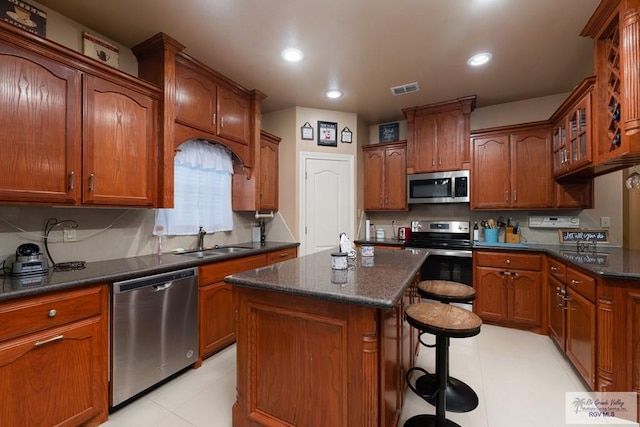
[223,250]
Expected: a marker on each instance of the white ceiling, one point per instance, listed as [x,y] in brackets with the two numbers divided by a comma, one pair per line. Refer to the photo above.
[364,47]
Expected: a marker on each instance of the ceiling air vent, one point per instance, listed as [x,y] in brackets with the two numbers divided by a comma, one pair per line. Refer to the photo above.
[403,89]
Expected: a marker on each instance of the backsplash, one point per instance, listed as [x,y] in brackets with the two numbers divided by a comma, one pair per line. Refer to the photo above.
[453,211]
[105,234]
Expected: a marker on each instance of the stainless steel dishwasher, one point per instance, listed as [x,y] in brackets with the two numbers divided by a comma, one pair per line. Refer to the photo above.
[154,330]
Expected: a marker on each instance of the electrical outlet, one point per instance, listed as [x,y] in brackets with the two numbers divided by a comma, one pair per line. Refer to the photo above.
[69,234]
[605,222]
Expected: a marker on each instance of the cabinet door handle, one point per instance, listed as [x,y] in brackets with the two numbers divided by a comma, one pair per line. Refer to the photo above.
[52,313]
[91,182]
[282,255]
[433,161]
[439,161]
[56,338]
[552,268]
[213,119]
[72,176]
[515,195]
[222,121]
[575,282]
[506,195]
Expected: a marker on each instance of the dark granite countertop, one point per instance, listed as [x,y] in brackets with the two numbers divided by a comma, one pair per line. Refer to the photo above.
[378,281]
[384,242]
[119,269]
[606,261]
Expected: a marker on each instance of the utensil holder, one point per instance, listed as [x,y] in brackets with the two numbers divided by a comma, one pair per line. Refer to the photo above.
[491,235]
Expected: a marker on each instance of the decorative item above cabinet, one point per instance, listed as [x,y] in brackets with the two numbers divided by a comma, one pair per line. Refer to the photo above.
[438,135]
[615,29]
[199,103]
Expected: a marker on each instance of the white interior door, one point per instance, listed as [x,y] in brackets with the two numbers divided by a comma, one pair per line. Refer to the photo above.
[327,200]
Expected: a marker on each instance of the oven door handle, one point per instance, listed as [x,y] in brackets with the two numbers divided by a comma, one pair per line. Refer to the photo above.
[459,253]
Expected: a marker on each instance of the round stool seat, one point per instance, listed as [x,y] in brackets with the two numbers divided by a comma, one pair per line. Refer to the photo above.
[443,319]
[446,291]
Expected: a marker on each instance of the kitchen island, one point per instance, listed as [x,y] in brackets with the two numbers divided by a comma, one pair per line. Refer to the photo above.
[323,347]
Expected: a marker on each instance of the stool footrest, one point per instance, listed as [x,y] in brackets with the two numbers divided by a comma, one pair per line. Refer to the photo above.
[424,343]
[460,397]
[414,388]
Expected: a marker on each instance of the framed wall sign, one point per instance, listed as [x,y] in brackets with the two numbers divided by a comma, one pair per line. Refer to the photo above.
[101,50]
[389,132]
[346,135]
[25,16]
[573,235]
[328,133]
[306,132]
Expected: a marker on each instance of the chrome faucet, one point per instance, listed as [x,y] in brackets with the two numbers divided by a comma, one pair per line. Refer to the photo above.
[201,234]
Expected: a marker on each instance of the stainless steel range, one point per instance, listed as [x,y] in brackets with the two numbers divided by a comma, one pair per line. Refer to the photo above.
[449,244]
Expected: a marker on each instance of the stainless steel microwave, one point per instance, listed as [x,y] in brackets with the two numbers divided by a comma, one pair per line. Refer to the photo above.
[438,187]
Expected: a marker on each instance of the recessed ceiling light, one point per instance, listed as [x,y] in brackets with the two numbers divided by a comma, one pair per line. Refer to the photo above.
[479,59]
[292,55]
[333,93]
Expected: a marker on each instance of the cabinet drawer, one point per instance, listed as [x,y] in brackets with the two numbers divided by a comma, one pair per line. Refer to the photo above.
[509,260]
[281,255]
[582,283]
[38,313]
[558,270]
[216,272]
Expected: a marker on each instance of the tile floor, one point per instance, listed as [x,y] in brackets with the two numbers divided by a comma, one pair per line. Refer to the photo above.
[520,377]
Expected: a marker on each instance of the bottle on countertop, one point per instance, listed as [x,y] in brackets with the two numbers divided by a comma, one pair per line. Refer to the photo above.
[262,232]
[476,232]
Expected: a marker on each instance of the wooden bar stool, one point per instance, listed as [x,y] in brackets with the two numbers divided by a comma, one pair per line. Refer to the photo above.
[460,397]
[444,321]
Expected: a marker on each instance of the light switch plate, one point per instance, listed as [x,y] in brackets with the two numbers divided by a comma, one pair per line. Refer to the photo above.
[69,234]
[605,221]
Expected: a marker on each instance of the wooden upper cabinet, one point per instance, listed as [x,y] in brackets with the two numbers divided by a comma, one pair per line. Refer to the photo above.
[269,171]
[574,193]
[204,104]
[531,183]
[40,120]
[257,189]
[572,131]
[74,131]
[233,115]
[490,172]
[511,167]
[615,29]
[200,103]
[385,177]
[120,139]
[438,135]
[195,100]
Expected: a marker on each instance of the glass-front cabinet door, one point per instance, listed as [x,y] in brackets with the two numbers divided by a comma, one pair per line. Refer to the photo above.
[559,147]
[579,134]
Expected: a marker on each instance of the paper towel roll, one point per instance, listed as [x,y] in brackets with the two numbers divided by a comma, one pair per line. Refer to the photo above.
[367,230]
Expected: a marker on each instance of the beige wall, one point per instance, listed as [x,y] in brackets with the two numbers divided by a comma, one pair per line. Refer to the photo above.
[288,122]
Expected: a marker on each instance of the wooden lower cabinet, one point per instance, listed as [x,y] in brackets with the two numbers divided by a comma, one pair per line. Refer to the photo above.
[304,361]
[618,335]
[581,335]
[509,288]
[215,298]
[56,374]
[557,321]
